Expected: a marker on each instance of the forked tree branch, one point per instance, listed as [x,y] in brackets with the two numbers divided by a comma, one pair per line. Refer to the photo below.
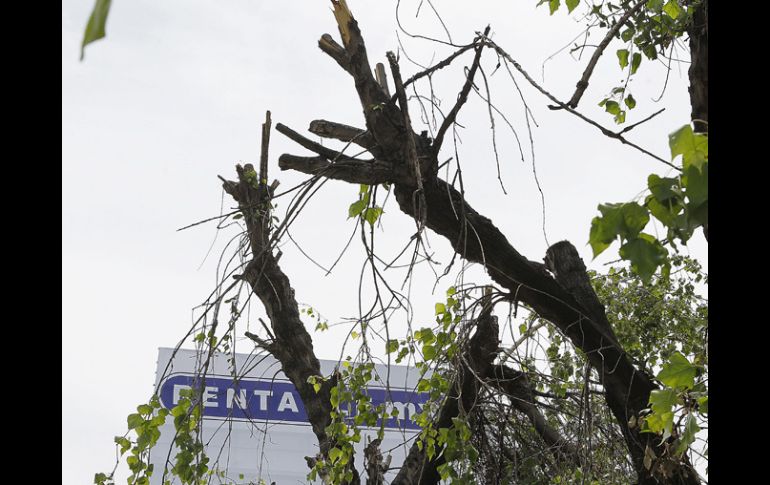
[627,389]
[583,83]
[462,97]
[291,344]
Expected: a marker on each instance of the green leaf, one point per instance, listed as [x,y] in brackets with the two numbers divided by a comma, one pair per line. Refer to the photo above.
[660,423]
[650,52]
[144,409]
[662,402]
[630,102]
[654,5]
[662,188]
[696,184]
[645,253]
[673,9]
[523,328]
[553,5]
[429,352]
[181,408]
[123,442]
[662,212]
[95,29]
[693,147]
[688,436]
[698,215]
[599,236]
[620,117]
[335,454]
[636,60]
[626,220]
[623,57]
[627,34]
[440,308]
[635,217]
[134,420]
[612,216]
[571,4]
[612,107]
[334,397]
[100,478]
[357,207]
[391,346]
[425,335]
[423,385]
[703,404]
[372,214]
[678,372]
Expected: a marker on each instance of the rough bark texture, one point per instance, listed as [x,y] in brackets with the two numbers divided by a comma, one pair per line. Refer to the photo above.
[699,67]
[292,345]
[566,300]
[699,73]
[374,464]
[558,290]
[478,240]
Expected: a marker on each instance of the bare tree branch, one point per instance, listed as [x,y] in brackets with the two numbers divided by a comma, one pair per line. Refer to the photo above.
[462,97]
[339,131]
[627,389]
[313,146]
[583,83]
[605,131]
[352,171]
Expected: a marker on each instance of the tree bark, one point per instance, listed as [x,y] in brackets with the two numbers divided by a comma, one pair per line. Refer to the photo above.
[481,352]
[476,239]
[699,74]
[698,31]
[566,300]
[292,346]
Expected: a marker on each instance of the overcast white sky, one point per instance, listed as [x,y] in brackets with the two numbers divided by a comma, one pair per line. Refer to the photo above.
[175,96]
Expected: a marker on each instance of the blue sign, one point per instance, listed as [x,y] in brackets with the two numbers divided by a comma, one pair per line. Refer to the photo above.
[278,400]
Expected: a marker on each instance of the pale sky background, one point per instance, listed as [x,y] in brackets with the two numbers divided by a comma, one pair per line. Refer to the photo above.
[175,96]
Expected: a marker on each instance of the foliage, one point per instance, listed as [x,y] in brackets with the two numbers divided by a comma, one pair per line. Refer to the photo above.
[683,398]
[648,33]
[663,324]
[365,207]
[649,28]
[657,318]
[190,462]
[679,203]
[95,29]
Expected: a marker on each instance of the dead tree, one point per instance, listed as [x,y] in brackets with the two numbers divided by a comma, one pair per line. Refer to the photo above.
[558,291]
